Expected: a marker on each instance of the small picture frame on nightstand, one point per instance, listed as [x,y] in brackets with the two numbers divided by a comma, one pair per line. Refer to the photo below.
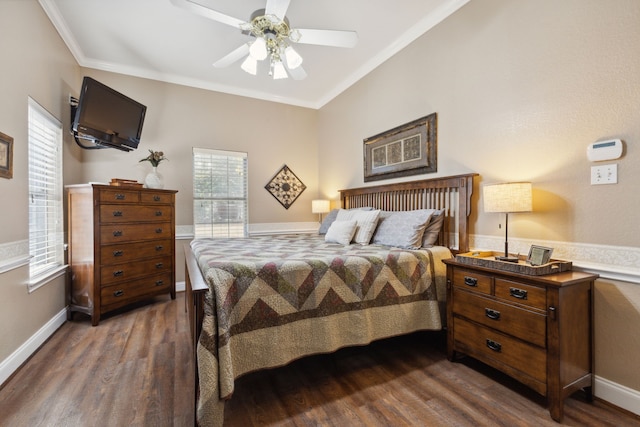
[539,255]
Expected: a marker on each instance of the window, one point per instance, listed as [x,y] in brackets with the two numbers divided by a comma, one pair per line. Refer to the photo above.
[45,194]
[220,193]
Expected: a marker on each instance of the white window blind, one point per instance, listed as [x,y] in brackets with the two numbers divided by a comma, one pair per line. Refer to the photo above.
[220,193]
[45,192]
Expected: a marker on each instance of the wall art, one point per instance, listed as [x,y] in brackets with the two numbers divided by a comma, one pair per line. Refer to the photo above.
[285,186]
[410,149]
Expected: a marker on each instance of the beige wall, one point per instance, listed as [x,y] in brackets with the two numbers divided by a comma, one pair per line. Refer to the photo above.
[521,88]
[179,118]
[36,63]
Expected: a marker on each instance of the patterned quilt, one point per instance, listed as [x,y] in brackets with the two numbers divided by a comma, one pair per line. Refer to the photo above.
[274,299]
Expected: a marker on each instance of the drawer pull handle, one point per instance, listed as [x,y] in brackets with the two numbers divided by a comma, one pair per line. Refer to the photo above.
[118,293]
[158,213]
[158,230]
[118,273]
[117,213]
[118,253]
[156,198]
[470,281]
[120,196]
[159,248]
[117,233]
[159,265]
[159,282]
[493,345]
[492,314]
[518,293]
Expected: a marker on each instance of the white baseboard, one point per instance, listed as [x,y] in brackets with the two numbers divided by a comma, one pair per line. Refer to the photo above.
[180,286]
[18,357]
[616,394]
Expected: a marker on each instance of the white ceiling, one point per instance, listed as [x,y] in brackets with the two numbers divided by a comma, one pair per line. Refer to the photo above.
[155,39]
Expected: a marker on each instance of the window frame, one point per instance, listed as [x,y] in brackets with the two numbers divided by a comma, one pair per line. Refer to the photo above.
[232,228]
[46,218]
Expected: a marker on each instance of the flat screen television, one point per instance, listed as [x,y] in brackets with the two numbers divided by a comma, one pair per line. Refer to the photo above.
[107,118]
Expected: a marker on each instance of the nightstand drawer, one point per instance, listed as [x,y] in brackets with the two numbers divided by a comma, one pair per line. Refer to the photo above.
[489,345]
[472,280]
[524,324]
[522,294]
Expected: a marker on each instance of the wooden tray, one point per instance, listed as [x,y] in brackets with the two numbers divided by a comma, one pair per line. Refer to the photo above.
[487,259]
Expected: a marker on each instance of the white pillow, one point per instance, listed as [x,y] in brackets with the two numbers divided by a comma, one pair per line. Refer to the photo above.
[366,220]
[341,232]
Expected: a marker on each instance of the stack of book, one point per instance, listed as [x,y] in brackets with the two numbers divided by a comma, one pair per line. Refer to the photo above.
[125,182]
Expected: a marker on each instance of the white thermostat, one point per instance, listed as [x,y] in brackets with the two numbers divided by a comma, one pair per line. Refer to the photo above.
[604,150]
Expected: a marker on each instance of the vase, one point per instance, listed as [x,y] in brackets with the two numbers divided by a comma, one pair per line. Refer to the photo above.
[153,179]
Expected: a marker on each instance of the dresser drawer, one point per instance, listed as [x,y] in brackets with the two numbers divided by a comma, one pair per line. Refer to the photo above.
[117,273]
[123,293]
[520,293]
[115,233]
[126,252]
[156,197]
[489,345]
[472,280]
[119,196]
[133,213]
[527,325]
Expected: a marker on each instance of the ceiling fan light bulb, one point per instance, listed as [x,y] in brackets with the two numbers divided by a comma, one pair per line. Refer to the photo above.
[258,49]
[250,65]
[278,71]
[294,60]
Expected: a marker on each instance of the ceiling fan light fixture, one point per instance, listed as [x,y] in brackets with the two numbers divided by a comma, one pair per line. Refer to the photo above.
[250,65]
[278,71]
[258,49]
[293,58]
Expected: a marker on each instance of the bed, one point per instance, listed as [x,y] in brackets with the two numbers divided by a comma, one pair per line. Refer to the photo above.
[262,302]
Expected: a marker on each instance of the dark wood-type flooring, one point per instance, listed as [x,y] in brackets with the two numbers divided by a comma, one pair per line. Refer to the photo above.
[134,369]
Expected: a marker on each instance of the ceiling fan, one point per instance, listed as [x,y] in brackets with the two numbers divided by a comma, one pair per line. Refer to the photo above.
[273,37]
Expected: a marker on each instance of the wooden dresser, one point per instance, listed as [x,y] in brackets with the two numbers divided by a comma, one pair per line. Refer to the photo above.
[121,246]
[536,329]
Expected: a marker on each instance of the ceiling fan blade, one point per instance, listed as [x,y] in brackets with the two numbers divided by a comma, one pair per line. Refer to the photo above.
[334,38]
[232,57]
[208,13]
[277,8]
[297,73]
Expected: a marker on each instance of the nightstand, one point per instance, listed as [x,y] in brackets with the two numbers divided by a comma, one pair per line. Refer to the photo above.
[536,329]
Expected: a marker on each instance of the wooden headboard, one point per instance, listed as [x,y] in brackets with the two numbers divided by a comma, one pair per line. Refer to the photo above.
[451,193]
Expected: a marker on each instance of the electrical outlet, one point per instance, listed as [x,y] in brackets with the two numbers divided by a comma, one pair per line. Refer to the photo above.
[604,174]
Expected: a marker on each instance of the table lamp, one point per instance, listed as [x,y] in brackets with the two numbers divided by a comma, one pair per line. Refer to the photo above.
[320,207]
[507,198]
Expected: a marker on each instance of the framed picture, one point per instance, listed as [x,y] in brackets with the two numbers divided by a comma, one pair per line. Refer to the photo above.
[406,150]
[539,255]
[6,156]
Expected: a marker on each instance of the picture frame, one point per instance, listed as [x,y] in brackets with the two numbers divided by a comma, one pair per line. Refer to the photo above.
[409,149]
[539,255]
[6,156]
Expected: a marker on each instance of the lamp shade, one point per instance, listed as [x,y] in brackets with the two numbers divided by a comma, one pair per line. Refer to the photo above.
[319,206]
[508,197]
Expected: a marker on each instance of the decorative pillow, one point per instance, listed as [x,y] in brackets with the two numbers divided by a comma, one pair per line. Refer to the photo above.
[403,229]
[331,216]
[341,232]
[366,220]
[433,229]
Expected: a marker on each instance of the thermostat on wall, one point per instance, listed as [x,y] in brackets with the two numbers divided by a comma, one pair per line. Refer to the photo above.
[604,150]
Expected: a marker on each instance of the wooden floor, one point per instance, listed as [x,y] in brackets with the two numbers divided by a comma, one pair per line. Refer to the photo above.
[134,369]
